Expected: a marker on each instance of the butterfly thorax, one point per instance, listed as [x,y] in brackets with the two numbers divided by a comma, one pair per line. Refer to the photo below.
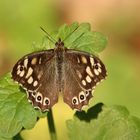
[59,49]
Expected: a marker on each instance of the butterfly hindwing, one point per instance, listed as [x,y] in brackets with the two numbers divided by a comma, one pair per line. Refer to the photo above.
[83,73]
[74,95]
[36,74]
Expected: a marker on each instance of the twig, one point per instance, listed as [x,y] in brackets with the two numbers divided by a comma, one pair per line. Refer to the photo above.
[51,125]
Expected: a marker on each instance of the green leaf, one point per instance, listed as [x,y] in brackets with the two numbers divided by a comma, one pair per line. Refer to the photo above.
[15,110]
[77,36]
[112,123]
[92,42]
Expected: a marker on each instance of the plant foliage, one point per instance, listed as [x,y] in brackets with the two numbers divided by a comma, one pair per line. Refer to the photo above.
[104,123]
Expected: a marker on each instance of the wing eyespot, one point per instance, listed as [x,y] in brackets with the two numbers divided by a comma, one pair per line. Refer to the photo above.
[97,69]
[75,101]
[96,66]
[82,96]
[21,68]
[46,101]
[39,97]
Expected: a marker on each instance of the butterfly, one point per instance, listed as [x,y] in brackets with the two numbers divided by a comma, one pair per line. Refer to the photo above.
[45,74]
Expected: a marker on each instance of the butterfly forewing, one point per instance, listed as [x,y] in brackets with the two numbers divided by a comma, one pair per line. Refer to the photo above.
[88,69]
[82,73]
[36,74]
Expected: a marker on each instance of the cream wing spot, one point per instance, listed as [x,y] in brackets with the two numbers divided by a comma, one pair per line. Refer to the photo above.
[18,67]
[26,62]
[92,61]
[30,71]
[34,61]
[99,65]
[88,70]
[18,72]
[88,79]
[84,82]
[35,83]
[30,80]
[96,72]
[22,73]
[83,59]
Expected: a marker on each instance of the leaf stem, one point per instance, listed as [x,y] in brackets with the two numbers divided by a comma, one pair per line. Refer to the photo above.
[51,125]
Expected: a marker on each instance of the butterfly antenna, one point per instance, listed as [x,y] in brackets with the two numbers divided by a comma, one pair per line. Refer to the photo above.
[71,33]
[76,39]
[48,35]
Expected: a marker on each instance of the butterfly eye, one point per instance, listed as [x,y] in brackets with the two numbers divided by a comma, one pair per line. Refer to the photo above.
[75,100]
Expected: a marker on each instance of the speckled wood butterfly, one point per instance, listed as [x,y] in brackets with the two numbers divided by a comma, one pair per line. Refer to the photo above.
[45,74]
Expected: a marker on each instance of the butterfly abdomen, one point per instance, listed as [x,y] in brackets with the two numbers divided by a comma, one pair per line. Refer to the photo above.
[60,68]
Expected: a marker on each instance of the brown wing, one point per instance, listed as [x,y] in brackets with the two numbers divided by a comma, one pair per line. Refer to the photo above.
[36,74]
[82,73]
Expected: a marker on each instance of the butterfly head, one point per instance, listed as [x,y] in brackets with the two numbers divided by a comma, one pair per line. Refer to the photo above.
[59,44]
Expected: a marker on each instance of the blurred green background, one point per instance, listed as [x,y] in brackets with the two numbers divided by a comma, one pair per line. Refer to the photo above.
[118,20]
